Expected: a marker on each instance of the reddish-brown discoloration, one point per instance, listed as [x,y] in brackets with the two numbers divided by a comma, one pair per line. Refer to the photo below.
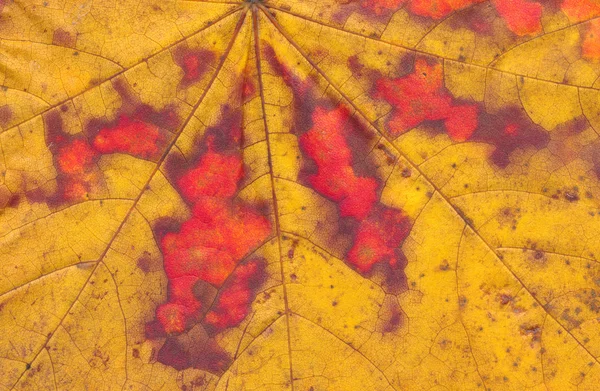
[580,10]
[6,115]
[338,167]
[194,63]
[63,38]
[210,286]
[508,130]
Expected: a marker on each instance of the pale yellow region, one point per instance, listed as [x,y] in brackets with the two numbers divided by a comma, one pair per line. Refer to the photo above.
[327,292]
[460,169]
[465,81]
[554,57]
[420,144]
[514,341]
[91,337]
[263,365]
[549,104]
[330,364]
[12,370]
[570,297]
[331,50]
[48,301]
[19,105]
[551,225]
[501,90]
[406,189]
[334,13]
[405,30]
[125,176]
[305,213]
[51,73]
[259,192]
[286,156]
[26,164]
[79,233]
[590,104]
[124,32]
[161,200]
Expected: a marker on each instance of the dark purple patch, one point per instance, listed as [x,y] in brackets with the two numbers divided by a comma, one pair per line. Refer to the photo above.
[194,63]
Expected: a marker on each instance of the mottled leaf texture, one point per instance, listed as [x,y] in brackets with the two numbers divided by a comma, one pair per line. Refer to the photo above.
[300,195]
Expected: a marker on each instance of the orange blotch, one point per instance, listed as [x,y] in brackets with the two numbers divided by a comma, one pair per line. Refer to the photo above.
[421,96]
[76,158]
[325,143]
[233,303]
[132,136]
[522,17]
[590,48]
[580,10]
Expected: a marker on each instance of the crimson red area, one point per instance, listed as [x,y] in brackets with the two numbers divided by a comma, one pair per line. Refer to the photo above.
[421,96]
[380,230]
[132,136]
[232,303]
[326,144]
[209,247]
[139,130]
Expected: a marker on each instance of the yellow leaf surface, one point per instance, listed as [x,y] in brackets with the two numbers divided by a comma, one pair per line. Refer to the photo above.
[338,195]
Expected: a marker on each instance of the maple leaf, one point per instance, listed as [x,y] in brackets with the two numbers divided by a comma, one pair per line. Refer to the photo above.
[291,195]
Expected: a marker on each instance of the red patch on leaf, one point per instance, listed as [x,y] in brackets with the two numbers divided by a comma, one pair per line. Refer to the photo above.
[131,135]
[338,167]
[326,144]
[139,130]
[522,17]
[378,238]
[209,247]
[74,160]
[233,302]
[421,96]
